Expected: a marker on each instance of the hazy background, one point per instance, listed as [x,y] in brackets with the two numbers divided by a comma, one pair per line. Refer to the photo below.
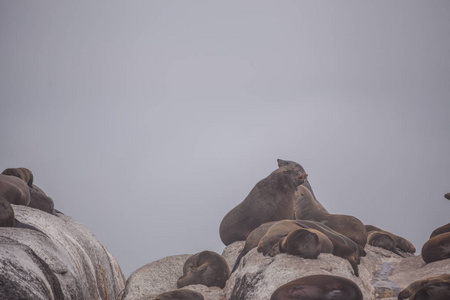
[147,121]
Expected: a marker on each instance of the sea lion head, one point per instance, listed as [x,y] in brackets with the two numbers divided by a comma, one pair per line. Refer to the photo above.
[303,243]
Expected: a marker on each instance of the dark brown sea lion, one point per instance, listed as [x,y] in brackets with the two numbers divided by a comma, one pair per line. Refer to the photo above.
[6,213]
[306,208]
[207,268]
[318,287]
[436,248]
[23,173]
[293,164]
[252,241]
[402,243]
[382,240]
[342,245]
[447,196]
[416,286]
[180,294]
[14,190]
[437,291]
[270,200]
[443,229]
[39,200]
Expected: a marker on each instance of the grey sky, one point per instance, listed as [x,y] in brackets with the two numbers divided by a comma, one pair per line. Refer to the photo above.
[147,121]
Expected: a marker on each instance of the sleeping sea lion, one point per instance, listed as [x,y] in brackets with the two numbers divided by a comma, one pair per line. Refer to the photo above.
[207,268]
[14,190]
[443,229]
[22,173]
[317,287]
[402,243]
[270,200]
[436,248]
[180,294]
[417,285]
[306,208]
[383,240]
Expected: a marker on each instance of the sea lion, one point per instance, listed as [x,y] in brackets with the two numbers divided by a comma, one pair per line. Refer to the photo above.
[318,287]
[252,241]
[436,248]
[342,245]
[39,200]
[382,240]
[402,243]
[14,190]
[293,164]
[447,196]
[207,268]
[180,294]
[306,208]
[437,291]
[270,200]
[6,213]
[416,286]
[22,173]
[443,229]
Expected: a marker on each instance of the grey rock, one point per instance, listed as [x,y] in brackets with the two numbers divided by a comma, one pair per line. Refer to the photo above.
[63,256]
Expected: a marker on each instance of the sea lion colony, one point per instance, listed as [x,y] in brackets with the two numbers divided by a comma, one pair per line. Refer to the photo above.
[280,215]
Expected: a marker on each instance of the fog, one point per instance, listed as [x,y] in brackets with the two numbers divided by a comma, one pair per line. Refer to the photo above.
[147,121]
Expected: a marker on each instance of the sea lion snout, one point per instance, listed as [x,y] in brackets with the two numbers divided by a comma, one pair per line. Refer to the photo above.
[303,176]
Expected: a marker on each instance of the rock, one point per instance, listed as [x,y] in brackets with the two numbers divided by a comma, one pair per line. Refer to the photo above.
[64,257]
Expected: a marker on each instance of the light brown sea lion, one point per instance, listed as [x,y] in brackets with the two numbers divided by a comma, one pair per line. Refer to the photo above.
[436,248]
[270,200]
[416,286]
[22,173]
[402,243]
[318,287]
[207,268]
[382,240]
[14,190]
[306,208]
[180,294]
[443,229]
[342,245]
[252,241]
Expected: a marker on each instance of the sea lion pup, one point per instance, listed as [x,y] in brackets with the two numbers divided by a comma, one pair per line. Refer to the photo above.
[436,248]
[22,173]
[207,268]
[382,240]
[402,243]
[306,208]
[416,286]
[14,190]
[270,200]
[443,229]
[318,287]
[252,241]
[180,294]
[342,245]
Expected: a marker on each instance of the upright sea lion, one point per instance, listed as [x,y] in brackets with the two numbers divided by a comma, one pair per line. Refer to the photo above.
[306,208]
[436,248]
[443,229]
[252,241]
[270,200]
[402,243]
[14,190]
[207,268]
[318,287]
[22,173]
[417,285]
[180,294]
[293,164]
[382,240]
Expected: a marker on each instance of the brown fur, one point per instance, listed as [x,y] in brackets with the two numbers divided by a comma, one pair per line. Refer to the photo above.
[304,242]
[443,229]
[306,208]
[6,213]
[270,200]
[180,294]
[402,243]
[318,287]
[447,196]
[437,248]
[382,240]
[22,173]
[14,190]
[416,286]
[207,268]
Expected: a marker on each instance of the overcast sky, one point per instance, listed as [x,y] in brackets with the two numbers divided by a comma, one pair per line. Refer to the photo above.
[147,121]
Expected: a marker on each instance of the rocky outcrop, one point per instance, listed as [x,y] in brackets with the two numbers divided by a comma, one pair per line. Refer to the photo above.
[383,274]
[59,260]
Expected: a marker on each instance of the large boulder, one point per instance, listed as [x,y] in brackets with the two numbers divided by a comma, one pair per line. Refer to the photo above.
[62,259]
[161,276]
